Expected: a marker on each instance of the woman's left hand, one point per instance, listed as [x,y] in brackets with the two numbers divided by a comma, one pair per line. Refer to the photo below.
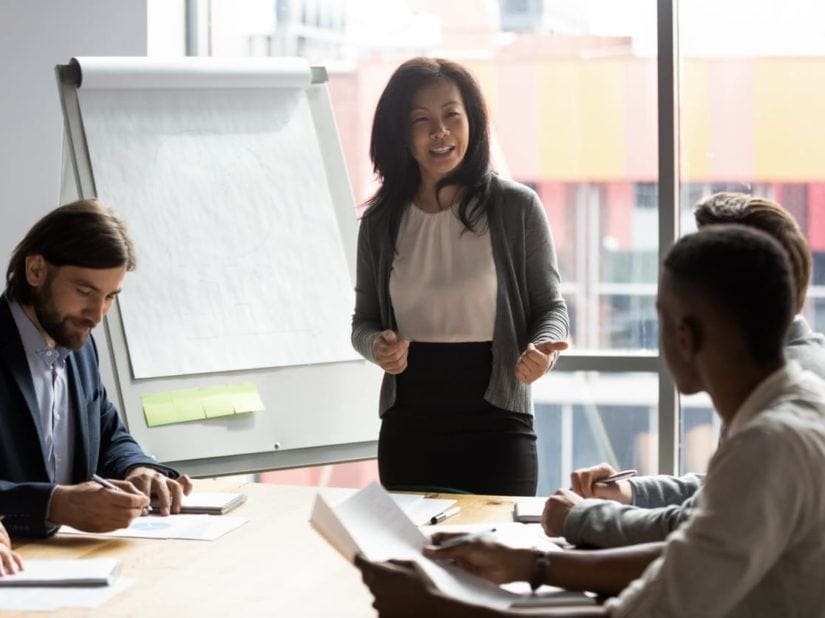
[537,359]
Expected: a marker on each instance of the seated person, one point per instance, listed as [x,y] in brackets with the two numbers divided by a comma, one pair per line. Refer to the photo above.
[756,539]
[10,561]
[57,426]
[661,503]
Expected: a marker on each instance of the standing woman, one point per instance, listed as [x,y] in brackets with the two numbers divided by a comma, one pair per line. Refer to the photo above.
[457,295]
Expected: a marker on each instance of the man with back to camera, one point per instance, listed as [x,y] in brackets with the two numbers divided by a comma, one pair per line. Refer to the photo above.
[57,426]
[755,543]
[648,508]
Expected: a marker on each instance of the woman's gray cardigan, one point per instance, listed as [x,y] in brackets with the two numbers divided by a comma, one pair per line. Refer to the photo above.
[529,305]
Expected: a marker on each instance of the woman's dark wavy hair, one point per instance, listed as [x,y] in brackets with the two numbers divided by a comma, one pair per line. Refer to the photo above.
[390,153]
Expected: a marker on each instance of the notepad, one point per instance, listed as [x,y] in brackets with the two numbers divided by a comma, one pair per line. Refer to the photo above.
[529,511]
[96,572]
[210,503]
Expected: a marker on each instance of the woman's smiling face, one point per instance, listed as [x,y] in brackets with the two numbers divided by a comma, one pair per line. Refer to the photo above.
[439,130]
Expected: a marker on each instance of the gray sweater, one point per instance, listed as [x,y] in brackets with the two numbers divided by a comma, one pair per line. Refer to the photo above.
[529,305]
[662,503]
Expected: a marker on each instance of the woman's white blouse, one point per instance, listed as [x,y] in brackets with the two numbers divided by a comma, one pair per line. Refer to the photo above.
[443,281]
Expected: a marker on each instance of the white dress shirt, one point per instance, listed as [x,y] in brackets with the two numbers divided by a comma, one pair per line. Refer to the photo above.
[755,544]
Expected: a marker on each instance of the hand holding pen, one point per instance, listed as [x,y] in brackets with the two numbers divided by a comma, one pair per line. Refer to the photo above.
[96,507]
[603,481]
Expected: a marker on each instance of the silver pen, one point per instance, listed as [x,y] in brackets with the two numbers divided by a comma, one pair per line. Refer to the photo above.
[619,476]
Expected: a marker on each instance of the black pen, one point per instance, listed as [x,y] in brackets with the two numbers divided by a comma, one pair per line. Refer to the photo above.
[444,514]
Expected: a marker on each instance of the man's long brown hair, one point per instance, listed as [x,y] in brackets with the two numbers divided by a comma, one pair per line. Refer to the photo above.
[82,233]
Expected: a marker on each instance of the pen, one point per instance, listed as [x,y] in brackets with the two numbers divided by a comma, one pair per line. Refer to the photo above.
[465,538]
[109,485]
[619,476]
[444,514]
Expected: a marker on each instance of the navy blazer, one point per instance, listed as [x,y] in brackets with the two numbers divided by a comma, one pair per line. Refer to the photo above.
[102,443]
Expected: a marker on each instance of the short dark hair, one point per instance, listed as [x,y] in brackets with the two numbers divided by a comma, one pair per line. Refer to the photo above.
[83,233]
[392,159]
[771,218]
[747,275]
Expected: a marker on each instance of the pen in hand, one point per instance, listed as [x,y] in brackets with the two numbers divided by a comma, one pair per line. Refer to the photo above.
[111,486]
[105,483]
[619,476]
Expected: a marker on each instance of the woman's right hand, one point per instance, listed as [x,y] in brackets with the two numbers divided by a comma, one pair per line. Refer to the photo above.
[390,352]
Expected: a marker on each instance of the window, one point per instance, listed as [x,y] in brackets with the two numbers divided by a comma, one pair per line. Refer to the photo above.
[571,90]
[752,90]
[574,103]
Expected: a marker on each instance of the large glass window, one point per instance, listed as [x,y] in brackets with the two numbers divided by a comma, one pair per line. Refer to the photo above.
[586,417]
[752,93]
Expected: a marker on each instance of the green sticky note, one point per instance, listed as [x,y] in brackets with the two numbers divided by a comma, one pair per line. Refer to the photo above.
[200,403]
[245,398]
[218,404]
[163,409]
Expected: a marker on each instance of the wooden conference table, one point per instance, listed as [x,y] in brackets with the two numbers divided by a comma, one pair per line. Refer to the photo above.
[274,565]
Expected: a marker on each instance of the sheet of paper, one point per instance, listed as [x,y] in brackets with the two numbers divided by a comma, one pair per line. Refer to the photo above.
[192,527]
[225,193]
[420,509]
[197,404]
[40,599]
[377,527]
[91,572]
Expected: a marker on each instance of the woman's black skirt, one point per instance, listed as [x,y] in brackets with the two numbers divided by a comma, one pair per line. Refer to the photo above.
[442,435]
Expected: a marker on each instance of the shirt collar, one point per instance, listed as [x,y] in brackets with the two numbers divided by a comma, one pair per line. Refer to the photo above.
[799,329]
[765,392]
[34,343]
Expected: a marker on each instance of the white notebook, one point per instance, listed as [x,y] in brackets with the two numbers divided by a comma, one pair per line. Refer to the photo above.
[96,572]
[210,503]
[529,511]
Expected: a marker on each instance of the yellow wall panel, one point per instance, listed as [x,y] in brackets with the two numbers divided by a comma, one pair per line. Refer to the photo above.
[582,124]
[695,121]
[789,113]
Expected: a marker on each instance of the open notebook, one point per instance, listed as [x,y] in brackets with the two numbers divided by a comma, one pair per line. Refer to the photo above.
[96,572]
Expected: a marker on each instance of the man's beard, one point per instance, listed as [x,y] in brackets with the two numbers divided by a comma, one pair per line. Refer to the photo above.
[55,325]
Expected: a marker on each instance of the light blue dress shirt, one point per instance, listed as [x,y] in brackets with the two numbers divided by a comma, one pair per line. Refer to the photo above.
[51,387]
